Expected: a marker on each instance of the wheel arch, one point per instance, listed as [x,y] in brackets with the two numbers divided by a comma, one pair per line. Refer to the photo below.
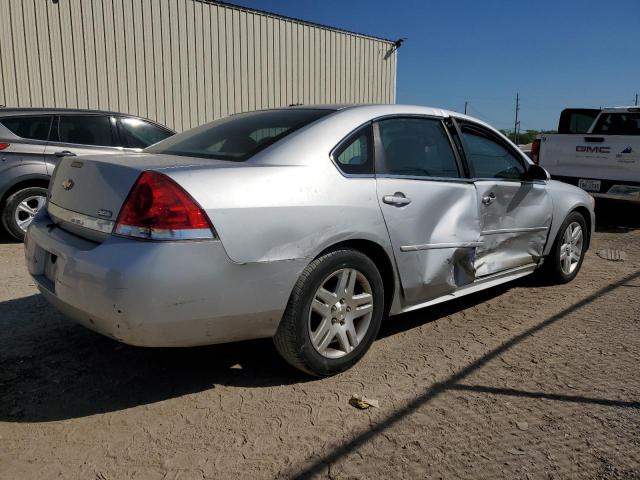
[584,211]
[383,262]
[21,183]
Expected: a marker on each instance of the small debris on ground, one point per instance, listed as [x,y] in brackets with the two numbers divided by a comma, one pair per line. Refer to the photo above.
[363,403]
[613,255]
[522,426]
[516,451]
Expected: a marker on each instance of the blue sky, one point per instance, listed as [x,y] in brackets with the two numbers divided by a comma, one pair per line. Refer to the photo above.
[554,53]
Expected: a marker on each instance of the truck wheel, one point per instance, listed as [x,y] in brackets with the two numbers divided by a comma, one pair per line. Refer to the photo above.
[566,256]
[20,208]
[333,315]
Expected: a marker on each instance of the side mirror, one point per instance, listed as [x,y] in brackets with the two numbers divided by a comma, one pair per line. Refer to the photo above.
[536,172]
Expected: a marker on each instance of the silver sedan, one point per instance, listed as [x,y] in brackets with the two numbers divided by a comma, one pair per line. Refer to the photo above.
[305,224]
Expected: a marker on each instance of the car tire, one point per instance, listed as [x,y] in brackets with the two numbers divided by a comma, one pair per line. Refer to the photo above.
[558,269]
[316,307]
[12,216]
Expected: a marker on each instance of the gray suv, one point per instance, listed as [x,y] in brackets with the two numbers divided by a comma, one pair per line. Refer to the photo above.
[33,140]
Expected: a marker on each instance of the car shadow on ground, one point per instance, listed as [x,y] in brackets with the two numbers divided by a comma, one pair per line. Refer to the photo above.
[52,369]
[614,216]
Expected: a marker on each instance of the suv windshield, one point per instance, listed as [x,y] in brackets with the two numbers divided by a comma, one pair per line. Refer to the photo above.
[240,136]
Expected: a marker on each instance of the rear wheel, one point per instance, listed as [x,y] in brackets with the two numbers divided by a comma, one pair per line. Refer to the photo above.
[20,208]
[567,254]
[333,315]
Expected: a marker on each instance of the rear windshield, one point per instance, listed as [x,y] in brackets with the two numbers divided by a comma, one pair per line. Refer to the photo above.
[238,137]
[618,124]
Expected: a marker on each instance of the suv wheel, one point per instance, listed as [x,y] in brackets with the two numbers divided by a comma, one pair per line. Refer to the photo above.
[20,208]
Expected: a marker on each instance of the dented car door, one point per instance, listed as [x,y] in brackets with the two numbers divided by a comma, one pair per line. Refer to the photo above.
[430,210]
[515,214]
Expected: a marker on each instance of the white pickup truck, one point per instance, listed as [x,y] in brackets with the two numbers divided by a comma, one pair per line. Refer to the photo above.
[597,150]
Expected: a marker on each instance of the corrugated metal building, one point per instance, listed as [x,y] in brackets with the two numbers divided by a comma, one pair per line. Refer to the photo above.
[182,62]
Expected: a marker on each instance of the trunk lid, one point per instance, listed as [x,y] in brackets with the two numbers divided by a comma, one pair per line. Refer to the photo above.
[86,193]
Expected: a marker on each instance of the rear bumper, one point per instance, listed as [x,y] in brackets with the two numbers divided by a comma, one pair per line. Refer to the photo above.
[158,293]
[613,189]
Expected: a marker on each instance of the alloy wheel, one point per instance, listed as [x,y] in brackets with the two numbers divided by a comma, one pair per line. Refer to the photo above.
[27,209]
[571,248]
[340,313]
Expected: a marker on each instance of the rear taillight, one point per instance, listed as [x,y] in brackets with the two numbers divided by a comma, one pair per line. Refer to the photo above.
[535,151]
[157,208]
[4,146]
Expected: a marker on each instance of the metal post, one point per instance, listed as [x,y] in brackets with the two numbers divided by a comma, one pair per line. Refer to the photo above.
[516,124]
[465,105]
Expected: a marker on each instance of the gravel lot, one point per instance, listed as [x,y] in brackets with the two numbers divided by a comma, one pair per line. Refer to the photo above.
[522,381]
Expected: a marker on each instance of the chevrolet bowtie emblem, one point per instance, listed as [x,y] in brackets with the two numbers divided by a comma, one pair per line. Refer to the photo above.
[68,184]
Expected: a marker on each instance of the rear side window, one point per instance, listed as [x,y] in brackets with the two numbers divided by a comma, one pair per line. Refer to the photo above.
[86,130]
[618,124]
[416,147]
[238,137]
[34,128]
[137,133]
[355,155]
[489,159]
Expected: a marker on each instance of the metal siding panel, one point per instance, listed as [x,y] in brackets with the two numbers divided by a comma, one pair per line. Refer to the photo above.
[282,64]
[207,67]
[216,63]
[110,53]
[32,53]
[311,61]
[292,52]
[102,66]
[201,66]
[306,64]
[250,52]
[68,63]
[8,63]
[44,49]
[90,54]
[237,68]
[149,72]
[139,43]
[121,55]
[79,66]
[165,64]
[192,60]
[225,62]
[181,96]
[19,50]
[272,91]
[129,57]
[172,17]
[264,63]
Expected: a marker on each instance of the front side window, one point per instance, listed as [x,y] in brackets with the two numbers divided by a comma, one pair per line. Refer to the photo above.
[355,155]
[86,130]
[240,136]
[489,159]
[415,147]
[137,133]
[34,128]
[618,124]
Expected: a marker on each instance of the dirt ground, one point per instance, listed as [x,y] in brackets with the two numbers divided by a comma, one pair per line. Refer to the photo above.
[522,381]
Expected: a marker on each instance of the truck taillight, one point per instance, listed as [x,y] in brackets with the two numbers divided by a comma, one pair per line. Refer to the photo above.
[535,151]
[157,208]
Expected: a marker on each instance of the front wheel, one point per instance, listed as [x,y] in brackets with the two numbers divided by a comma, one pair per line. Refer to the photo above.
[567,254]
[333,315]
[20,208]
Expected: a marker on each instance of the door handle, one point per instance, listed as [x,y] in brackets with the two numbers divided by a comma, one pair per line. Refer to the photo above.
[397,199]
[488,199]
[64,153]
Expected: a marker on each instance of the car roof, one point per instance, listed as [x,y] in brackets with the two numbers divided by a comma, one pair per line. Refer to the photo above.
[16,112]
[632,109]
